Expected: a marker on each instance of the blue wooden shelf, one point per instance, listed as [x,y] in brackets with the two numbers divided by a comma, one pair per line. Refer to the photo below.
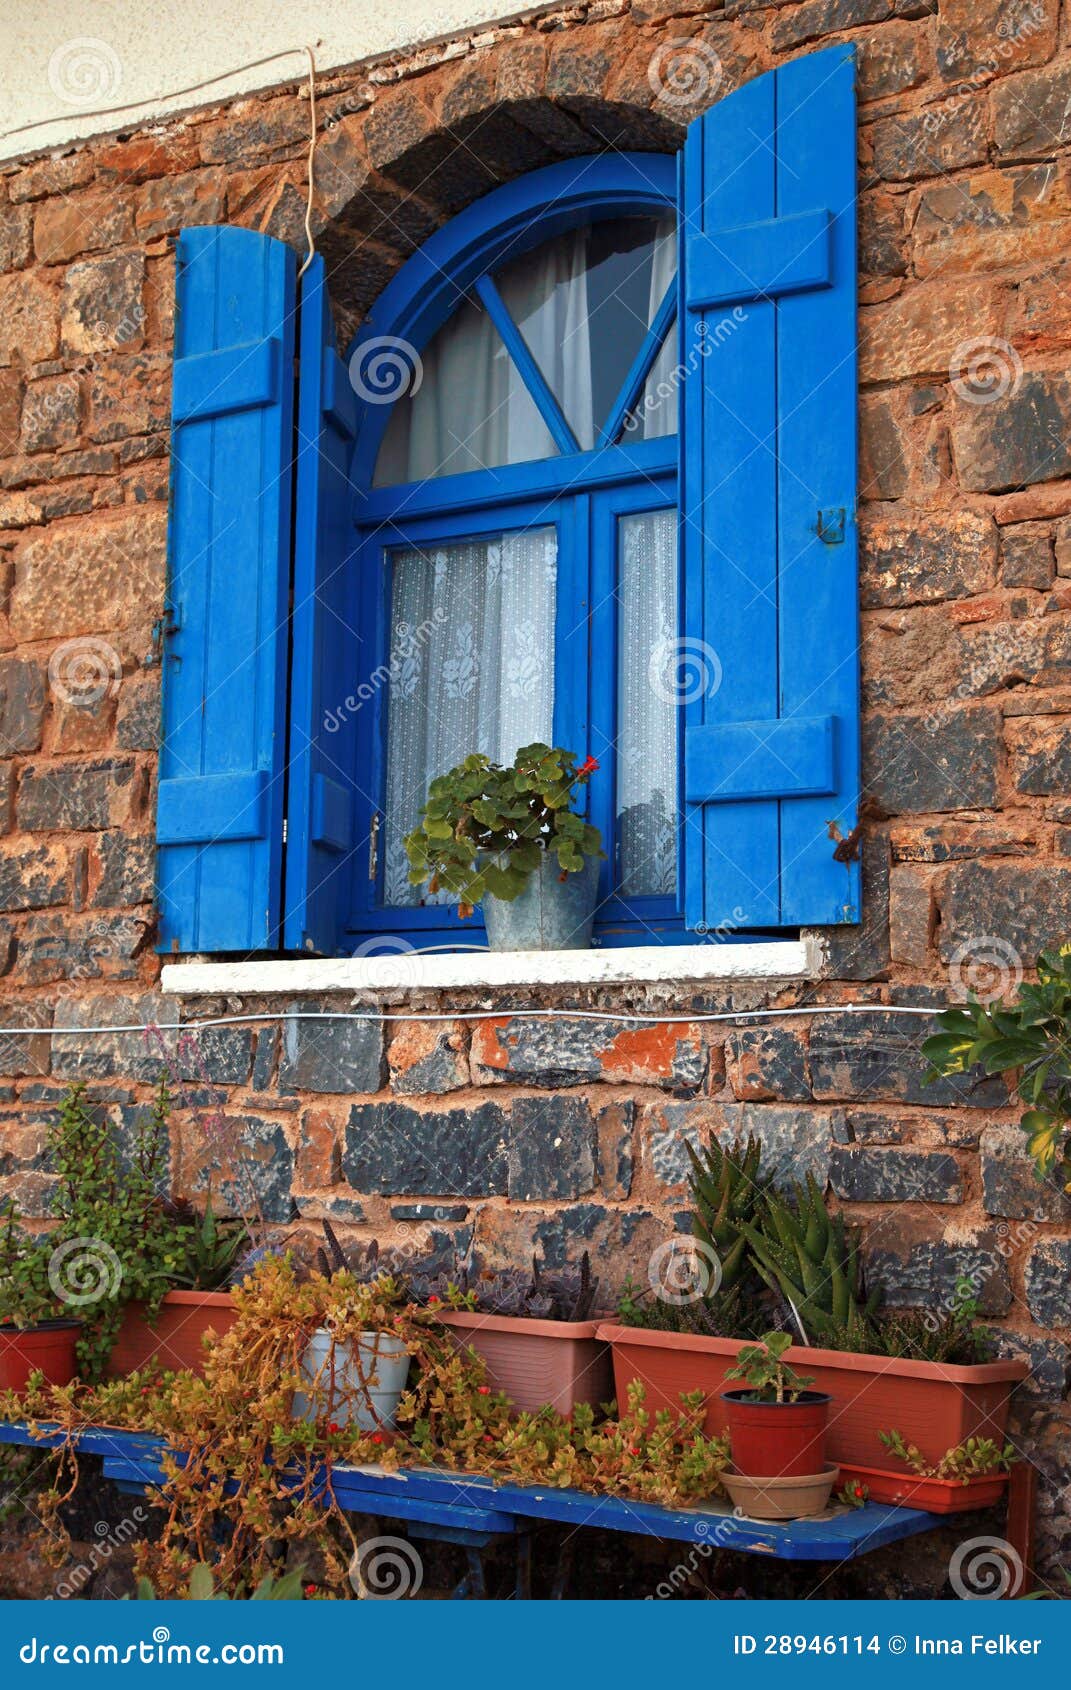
[473,1503]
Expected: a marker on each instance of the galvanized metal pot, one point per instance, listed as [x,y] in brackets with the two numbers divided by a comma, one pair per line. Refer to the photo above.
[551,914]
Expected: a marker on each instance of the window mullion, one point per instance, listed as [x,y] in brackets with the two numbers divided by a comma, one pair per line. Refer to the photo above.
[530,373]
[641,366]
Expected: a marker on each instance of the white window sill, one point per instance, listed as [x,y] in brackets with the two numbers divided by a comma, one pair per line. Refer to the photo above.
[776,959]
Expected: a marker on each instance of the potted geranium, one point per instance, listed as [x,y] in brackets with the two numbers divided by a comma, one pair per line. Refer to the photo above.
[508,838]
[36,1335]
[777,1435]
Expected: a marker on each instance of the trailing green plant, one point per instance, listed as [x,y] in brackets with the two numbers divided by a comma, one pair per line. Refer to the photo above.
[486,827]
[767,1375]
[855,1494]
[116,1242]
[213,1248]
[202,1588]
[972,1459]
[811,1258]
[246,1484]
[26,1297]
[1032,1035]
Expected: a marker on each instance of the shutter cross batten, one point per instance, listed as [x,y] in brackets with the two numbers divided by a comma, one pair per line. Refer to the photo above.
[759,260]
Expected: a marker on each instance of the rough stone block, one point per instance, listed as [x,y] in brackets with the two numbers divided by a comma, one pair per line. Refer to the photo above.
[33,877]
[1027,557]
[931,142]
[217,1056]
[923,558]
[922,1273]
[918,333]
[266,1165]
[51,413]
[426,1058]
[22,705]
[78,796]
[331,1056]
[794,1142]
[319,1155]
[552,1148]
[401,1151]
[90,1055]
[570,1053]
[768,1062]
[876,1056]
[912,916]
[1048,1282]
[64,947]
[1025,908]
[126,870]
[1010,1184]
[896,1176]
[29,1051]
[1020,438]
[76,578]
[29,318]
[1040,753]
[72,224]
[1049,1361]
[1028,111]
[102,305]
[945,760]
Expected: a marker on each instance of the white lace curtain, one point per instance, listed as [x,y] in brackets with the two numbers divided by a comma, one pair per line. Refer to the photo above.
[472,669]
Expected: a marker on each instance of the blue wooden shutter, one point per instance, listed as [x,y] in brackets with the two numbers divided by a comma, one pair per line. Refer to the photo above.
[220,808]
[771,754]
[325,663]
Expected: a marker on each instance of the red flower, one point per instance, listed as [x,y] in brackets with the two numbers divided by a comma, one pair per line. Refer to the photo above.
[588,766]
[432,1299]
[483,1390]
[332,1425]
[377,1437]
[310,1590]
[634,1451]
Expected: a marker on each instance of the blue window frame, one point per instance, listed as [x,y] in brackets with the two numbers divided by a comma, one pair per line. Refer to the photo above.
[578,495]
[271,781]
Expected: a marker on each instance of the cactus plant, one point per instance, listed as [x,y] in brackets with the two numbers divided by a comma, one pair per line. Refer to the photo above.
[812,1258]
[727,1192]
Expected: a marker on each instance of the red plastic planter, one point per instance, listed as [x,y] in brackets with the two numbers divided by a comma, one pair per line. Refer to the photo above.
[560,1362]
[48,1349]
[932,1404]
[174,1343]
[936,1496]
[777,1440]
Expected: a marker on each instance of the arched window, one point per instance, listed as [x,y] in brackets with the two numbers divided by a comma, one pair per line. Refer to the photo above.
[518,545]
[586,474]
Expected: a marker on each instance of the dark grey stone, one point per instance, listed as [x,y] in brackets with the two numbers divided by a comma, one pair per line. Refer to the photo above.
[218,1056]
[126,871]
[398,1150]
[876,1056]
[1049,1361]
[1023,907]
[1048,1282]
[947,760]
[923,1274]
[331,1056]
[22,705]
[266,1169]
[75,796]
[1010,1184]
[440,1212]
[770,1062]
[552,1148]
[896,1176]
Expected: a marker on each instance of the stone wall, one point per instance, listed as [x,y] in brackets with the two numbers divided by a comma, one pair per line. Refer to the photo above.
[506,1133]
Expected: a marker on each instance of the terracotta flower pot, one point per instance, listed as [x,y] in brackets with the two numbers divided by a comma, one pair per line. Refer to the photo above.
[933,1404]
[560,1362]
[49,1349]
[798,1498]
[174,1343]
[777,1440]
[936,1496]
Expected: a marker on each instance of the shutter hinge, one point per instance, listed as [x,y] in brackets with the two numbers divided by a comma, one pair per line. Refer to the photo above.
[284,830]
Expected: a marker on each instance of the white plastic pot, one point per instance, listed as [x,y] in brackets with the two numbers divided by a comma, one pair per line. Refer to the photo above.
[361,1381]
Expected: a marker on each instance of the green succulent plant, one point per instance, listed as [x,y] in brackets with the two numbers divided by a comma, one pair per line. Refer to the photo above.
[811,1257]
[485,828]
[727,1190]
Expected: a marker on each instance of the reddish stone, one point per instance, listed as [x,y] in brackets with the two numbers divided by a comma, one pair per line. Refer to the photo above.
[29,318]
[64,228]
[103,303]
[923,331]
[177,202]
[16,241]
[319,1150]
[50,413]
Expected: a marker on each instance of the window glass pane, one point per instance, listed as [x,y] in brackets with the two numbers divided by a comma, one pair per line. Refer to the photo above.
[647,703]
[584,302]
[470,411]
[471,669]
